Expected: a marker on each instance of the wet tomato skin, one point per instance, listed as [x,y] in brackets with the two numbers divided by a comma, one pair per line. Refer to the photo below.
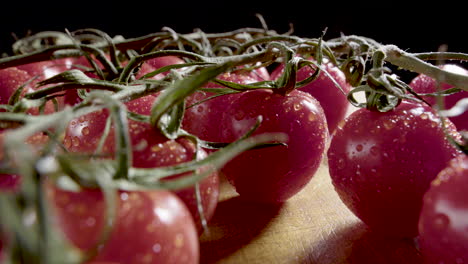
[443,225]
[381,164]
[10,80]
[275,174]
[425,84]
[331,98]
[150,149]
[149,227]
[203,115]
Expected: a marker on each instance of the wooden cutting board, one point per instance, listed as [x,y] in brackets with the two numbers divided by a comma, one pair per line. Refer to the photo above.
[312,227]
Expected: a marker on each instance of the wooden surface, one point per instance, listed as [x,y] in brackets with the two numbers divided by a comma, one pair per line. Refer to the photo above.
[312,227]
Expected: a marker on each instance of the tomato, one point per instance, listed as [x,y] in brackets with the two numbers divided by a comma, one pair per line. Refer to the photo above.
[160,62]
[149,227]
[203,117]
[425,84]
[11,182]
[10,80]
[29,75]
[150,149]
[443,223]
[333,101]
[381,164]
[46,69]
[274,174]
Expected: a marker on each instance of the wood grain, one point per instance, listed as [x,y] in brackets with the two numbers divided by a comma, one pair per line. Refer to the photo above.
[312,227]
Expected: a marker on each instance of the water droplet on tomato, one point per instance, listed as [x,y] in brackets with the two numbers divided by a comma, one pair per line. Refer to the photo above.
[359,147]
[441,221]
[297,106]
[389,124]
[67,142]
[239,115]
[75,142]
[156,248]
[374,150]
[90,221]
[179,241]
[341,164]
[200,108]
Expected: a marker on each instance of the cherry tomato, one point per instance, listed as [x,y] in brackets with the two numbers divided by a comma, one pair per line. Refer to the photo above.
[10,80]
[202,117]
[425,84]
[274,174]
[11,182]
[333,101]
[443,223]
[149,227]
[150,149]
[381,164]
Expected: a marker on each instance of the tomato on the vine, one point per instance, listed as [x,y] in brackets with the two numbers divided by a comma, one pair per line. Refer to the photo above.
[333,99]
[149,226]
[381,164]
[11,79]
[424,84]
[11,182]
[275,173]
[443,222]
[150,149]
[204,112]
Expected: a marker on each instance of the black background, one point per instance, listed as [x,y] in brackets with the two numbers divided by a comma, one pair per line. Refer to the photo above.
[416,28]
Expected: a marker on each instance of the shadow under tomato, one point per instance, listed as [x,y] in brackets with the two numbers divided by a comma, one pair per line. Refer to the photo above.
[378,249]
[235,223]
[335,247]
[356,244]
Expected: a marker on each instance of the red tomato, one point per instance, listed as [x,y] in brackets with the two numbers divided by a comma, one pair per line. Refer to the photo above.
[425,84]
[160,62]
[149,227]
[46,69]
[381,164]
[11,182]
[10,80]
[275,174]
[203,119]
[443,223]
[333,101]
[150,149]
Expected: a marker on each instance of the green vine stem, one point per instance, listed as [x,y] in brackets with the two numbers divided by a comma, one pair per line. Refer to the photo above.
[410,62]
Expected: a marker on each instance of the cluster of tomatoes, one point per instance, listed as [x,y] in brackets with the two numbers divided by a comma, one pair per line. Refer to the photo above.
[126,147]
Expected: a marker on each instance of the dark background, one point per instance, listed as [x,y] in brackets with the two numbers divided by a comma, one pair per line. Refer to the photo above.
[415,28]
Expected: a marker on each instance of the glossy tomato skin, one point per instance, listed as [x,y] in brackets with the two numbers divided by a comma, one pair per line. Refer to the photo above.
[443,225]
[149,227]
[160,62]
[276,173]
[10,80]
[46,69]
[425,84]
[150,149]
[333,100]
[381,164]
[12,182]
[203,119]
